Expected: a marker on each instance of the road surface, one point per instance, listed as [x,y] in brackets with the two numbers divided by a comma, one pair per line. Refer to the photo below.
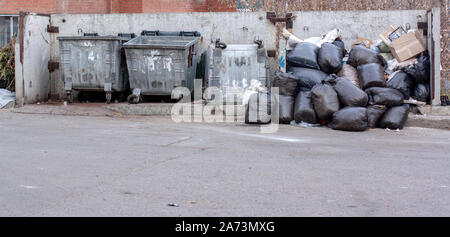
[135,166]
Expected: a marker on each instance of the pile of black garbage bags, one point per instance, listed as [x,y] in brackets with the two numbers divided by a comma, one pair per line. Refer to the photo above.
[319,88]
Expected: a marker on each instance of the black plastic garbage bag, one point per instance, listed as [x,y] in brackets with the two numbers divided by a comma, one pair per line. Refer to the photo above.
[350,73]
[325,100]
[402,82]
[371,75]
[421,92]
[287,83]
[304,55]
[286,109]
[349,94]
[419,71]
[360,55]
[350,119]
[330,58]
[341,45]
[304,110]
[374,113]
[307,77]
[384,96]
[395,117]
[258,109]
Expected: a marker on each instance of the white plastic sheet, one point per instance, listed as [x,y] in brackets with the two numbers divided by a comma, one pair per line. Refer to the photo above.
[7,98]
[292,40]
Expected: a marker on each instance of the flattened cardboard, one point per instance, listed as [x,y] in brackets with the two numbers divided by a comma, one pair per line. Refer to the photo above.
[362,40]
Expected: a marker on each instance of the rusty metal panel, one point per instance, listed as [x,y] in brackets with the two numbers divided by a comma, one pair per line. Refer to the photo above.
[91,63]
[52,66]
[232,69]
[52,29]
[158,64]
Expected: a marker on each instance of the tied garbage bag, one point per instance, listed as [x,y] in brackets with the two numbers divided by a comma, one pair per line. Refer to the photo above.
[384,96]
[286,109]
[255,87]
[287,83]
[330,58]
[349,72]
[258,108]
[307,77]
[304,110]
[395,117]
[371,75]
[349,94]
[350,119]
[420,71]
[304,55]
[360,55]
[402,82]
[374,113]
[421,92]
[341,45]
[325,100]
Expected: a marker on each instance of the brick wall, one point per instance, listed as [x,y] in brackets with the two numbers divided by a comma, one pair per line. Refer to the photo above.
[150,6]
[41,6]
[130,6]
[86,6]
[111,6]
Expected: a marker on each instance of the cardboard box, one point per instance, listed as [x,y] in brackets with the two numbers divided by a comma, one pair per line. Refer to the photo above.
[407,46]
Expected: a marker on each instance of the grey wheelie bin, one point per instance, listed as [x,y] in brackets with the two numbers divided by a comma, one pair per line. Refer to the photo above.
[158,64]
[93,63]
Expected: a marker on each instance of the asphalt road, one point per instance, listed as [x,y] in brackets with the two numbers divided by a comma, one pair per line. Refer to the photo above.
[136,166]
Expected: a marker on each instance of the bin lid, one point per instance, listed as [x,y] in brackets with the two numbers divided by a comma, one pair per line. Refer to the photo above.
[162,42]
[61,38]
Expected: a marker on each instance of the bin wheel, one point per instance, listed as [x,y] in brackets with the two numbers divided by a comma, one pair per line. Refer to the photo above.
[133,99]
[82,96]
[70,97]
[121,96]
[108,97]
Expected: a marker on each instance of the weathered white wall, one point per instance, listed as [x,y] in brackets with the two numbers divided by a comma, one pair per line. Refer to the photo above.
[231,27]
[32,75]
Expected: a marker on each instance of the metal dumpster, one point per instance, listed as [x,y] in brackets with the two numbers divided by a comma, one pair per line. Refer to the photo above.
[93,63]
[158,64]
[232,68]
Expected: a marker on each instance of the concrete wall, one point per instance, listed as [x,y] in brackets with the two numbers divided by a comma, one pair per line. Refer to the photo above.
[232,27]
[32,55]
